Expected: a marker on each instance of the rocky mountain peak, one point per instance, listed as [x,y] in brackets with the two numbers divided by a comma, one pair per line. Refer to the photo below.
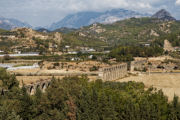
[163,15]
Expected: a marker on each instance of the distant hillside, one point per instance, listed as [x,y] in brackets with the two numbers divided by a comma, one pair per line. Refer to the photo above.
[28,40]
[43,30]
[65,30]
[87,18]
[8,23]
[2,30]
[126,32]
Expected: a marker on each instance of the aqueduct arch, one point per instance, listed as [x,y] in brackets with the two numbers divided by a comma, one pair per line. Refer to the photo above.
[114,72]
[31,88]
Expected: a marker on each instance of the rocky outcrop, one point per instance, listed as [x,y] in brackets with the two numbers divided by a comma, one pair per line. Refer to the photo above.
[168,46]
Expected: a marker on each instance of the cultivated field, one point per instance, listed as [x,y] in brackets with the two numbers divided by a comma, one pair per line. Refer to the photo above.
[168,82]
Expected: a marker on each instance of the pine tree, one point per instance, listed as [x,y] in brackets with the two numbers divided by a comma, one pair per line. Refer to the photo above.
[26,102]
[8,114]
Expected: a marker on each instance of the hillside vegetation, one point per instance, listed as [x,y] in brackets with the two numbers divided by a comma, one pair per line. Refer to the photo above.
[28,40]
[126,32]
[2,31]
[127,53]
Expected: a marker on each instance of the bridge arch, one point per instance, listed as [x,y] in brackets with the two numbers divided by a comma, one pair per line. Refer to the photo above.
[32,90]
[43,87]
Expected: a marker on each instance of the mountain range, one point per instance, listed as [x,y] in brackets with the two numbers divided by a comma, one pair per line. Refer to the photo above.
[133,31]
[9,23]
[80,19]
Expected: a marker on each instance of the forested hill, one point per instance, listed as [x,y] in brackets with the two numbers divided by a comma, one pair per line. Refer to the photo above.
[130,31]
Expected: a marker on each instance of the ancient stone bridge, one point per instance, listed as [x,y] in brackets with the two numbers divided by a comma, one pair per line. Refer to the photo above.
[42,85]
[31,88]
[114,72]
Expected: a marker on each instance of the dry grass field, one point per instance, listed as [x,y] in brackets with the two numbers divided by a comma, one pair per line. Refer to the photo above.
[169,83]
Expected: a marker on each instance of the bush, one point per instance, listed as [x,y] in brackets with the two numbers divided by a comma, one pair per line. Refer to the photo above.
[94,68]
[126,53]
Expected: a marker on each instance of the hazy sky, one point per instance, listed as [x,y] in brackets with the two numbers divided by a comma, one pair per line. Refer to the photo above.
[45,12]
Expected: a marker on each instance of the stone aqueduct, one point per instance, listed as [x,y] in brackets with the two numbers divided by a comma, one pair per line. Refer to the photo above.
[114,72]
[31,88]
[111,73]
[106,74]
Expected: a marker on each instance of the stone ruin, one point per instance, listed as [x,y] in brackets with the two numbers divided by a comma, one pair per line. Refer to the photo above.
[113,72]
[137,65]
[43,85]
[110,73]
[106,73]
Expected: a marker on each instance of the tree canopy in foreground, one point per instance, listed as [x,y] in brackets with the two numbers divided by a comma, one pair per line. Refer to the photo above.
[74,98]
